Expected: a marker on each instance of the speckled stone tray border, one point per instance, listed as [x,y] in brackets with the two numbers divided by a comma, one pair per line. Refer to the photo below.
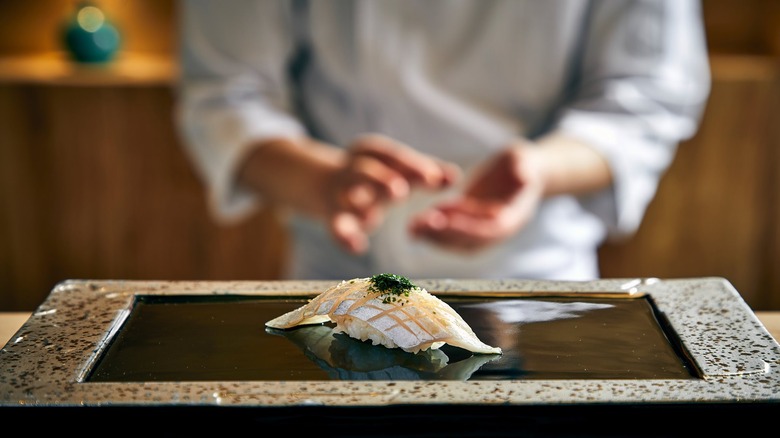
[46,361]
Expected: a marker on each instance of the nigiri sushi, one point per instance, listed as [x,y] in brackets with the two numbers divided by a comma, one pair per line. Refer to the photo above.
[388,310]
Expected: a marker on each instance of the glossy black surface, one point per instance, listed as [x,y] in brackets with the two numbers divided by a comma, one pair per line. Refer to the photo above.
[223,338]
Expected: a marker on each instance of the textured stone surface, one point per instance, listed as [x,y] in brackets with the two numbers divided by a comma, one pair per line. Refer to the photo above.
[46,361]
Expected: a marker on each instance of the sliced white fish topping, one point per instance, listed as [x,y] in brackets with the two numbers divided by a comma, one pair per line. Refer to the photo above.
[387,310]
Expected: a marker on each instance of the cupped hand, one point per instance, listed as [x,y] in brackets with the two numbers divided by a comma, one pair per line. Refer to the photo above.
[502,196]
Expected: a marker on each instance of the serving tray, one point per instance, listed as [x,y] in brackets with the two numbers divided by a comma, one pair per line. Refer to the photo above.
[594,349]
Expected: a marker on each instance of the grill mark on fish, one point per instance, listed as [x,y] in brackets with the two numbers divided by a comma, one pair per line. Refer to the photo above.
[418,321]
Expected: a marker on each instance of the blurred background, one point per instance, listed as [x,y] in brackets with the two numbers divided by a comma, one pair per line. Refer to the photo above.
[95,185]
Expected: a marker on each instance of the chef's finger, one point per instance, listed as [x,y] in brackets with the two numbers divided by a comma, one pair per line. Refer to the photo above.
[386,183]
[347,230]
[458,230]
[416,167]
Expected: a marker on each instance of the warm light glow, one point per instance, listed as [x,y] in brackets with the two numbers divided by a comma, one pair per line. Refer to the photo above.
[90,18]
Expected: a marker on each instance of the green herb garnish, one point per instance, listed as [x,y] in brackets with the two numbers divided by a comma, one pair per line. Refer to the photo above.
[391,286]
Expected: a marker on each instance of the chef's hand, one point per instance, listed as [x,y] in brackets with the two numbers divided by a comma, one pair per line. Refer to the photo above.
[377,171]
[350,189]
[504,194]
[501,198]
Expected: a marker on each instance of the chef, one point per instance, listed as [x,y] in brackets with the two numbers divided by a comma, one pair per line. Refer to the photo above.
[440,139]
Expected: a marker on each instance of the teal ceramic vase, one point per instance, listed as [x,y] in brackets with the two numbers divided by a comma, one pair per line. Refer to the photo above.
[89,36]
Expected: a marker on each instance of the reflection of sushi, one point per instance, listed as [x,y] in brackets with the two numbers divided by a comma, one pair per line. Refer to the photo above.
[387,310]
[345,358]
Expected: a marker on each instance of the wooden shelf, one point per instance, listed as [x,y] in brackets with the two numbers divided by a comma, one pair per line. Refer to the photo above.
[731,67]
[56,68]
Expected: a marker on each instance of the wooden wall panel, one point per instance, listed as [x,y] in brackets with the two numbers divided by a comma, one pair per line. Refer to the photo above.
[744,27]
[771,290]
[22,234]
[95,185]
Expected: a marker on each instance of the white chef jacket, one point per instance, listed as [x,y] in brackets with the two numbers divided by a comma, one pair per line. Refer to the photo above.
[457,79]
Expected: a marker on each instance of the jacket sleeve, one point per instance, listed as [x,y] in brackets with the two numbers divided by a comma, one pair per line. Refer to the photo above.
[641,86]
[232,91]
